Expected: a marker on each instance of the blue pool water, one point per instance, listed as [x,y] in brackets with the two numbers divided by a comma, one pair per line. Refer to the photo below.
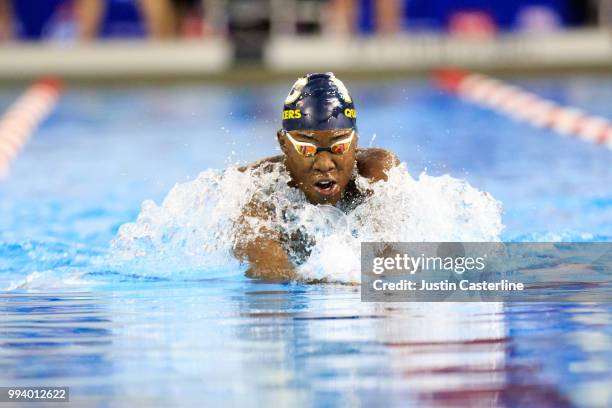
[121,337]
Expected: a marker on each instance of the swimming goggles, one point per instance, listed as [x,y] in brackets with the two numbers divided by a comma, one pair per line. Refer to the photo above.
[306,149]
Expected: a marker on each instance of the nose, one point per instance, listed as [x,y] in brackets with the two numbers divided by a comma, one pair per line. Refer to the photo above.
[323,163]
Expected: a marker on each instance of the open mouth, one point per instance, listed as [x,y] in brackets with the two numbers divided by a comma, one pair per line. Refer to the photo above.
[326,187]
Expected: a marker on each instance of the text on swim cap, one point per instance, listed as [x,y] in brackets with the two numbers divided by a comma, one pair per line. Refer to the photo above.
[292,114]
[350,113]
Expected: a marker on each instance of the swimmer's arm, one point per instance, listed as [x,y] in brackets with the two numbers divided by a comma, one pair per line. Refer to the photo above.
[262,250]
[375,164]
[267,260]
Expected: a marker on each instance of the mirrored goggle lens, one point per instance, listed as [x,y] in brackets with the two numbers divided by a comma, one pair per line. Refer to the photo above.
[340,148]
[307,150]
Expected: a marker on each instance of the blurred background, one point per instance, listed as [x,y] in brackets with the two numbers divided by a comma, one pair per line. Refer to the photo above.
[106,38]
[159,90]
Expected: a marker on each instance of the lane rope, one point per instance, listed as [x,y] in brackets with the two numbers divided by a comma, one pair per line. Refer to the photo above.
[24,116]
[525,106]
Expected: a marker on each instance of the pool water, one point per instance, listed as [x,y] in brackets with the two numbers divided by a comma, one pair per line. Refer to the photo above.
[120,337]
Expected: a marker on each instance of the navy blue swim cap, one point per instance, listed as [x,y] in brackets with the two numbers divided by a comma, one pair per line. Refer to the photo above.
[319,102]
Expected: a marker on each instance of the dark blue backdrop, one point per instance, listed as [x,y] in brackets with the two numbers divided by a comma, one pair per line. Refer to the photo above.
[122,18]
[38,18]
[434,14]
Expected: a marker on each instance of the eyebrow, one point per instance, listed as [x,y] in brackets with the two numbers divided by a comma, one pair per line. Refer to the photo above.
[305,136]
[344,136]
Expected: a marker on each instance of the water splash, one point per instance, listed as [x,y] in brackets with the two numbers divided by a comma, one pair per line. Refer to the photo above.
[194,230]
[66,279]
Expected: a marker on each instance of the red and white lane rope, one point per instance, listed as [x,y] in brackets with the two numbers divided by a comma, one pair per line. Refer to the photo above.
[24,116]
[525,106]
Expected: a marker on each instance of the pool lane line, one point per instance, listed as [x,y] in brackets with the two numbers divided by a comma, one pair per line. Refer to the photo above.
[525,106]
[24,116]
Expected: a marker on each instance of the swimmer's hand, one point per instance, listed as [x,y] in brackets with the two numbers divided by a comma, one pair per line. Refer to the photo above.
[272,272]
[268,260]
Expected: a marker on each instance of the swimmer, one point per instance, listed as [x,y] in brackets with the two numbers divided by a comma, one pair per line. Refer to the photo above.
[319,144]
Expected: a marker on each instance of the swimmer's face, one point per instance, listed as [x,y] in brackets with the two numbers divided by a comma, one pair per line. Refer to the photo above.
[324,176]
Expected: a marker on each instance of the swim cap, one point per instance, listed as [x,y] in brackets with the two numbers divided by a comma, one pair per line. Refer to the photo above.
[319,102]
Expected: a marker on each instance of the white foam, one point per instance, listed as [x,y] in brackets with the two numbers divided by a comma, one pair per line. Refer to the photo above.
[50,280]
[194,229]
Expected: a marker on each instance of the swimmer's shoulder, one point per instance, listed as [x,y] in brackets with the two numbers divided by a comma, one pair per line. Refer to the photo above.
[264,164]
[374,163]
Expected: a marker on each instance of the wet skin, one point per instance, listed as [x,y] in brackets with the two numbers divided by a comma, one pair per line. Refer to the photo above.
[325,178]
